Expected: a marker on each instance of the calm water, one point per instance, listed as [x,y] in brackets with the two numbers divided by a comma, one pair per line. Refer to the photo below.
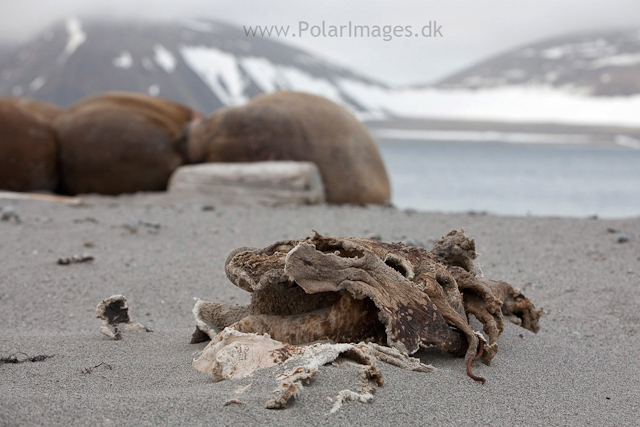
[511,179]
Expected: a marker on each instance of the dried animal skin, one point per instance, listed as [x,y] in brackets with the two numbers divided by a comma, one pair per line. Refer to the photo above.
[232,355]
[114,315]
[353,289]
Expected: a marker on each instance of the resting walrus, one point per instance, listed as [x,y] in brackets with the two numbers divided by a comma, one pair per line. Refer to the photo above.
[296,126]
[120,142]
[27,145]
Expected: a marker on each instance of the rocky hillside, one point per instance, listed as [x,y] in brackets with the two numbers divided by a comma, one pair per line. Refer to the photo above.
[203,64]
[596,64]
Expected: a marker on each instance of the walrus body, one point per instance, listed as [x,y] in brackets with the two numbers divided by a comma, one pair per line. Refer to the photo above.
[297,126]
[44,111]
[120,143]
[27,145]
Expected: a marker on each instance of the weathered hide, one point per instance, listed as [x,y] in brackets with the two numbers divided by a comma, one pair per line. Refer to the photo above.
[232,354]
[353,290]
[114,317]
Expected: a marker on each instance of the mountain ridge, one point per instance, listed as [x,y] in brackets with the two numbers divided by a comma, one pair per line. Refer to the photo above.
[210,64]
[206,64]
[596,63]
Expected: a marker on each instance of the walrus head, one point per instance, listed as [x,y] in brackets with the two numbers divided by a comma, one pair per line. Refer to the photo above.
[195,135]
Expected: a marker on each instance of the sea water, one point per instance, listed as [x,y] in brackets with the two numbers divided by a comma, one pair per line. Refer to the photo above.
[512,179]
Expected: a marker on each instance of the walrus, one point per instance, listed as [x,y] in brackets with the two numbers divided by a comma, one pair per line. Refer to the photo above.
[118,142]
[43,110]
[27,145]
[296,126]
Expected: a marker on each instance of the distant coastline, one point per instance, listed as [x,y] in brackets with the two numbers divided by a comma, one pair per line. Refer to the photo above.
[454,131]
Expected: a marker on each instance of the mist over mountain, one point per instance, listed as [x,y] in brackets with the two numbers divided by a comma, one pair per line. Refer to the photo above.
[596,64]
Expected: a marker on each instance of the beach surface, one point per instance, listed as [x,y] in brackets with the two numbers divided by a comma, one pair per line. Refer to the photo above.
[162,251]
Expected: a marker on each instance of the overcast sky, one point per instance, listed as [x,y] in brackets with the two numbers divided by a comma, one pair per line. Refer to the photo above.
[472,29]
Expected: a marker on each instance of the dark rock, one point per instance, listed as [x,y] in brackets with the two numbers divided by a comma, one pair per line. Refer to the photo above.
[624,238]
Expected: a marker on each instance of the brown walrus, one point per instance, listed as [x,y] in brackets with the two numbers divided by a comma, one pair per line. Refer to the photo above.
[296,126]
[119,142]
[27,145]
[45,111]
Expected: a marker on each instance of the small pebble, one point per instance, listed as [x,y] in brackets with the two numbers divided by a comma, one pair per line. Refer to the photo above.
[9,213]
[75,259]
[624,238]
[133,225]
[87,219]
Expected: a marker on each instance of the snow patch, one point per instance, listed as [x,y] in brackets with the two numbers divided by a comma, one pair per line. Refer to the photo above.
[482,136]
[296,79]
[530,104]
[37,83]
[227,76]
[556,52]
[623,60]
[263,72]
[591,49]
[154,90]
[76,38]
[201,27]
[271,77]
[627,141]
[124,61]
[164,58]
[219,70]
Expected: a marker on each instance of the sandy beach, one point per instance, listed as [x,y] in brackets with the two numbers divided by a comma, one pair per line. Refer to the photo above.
[164,251]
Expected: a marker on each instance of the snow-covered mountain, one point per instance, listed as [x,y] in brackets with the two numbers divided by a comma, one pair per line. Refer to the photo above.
[596,64]
[586,80]
[582,80]
[205,65]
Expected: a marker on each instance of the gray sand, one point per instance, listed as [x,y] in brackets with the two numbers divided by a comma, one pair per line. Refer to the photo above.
[580,369]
